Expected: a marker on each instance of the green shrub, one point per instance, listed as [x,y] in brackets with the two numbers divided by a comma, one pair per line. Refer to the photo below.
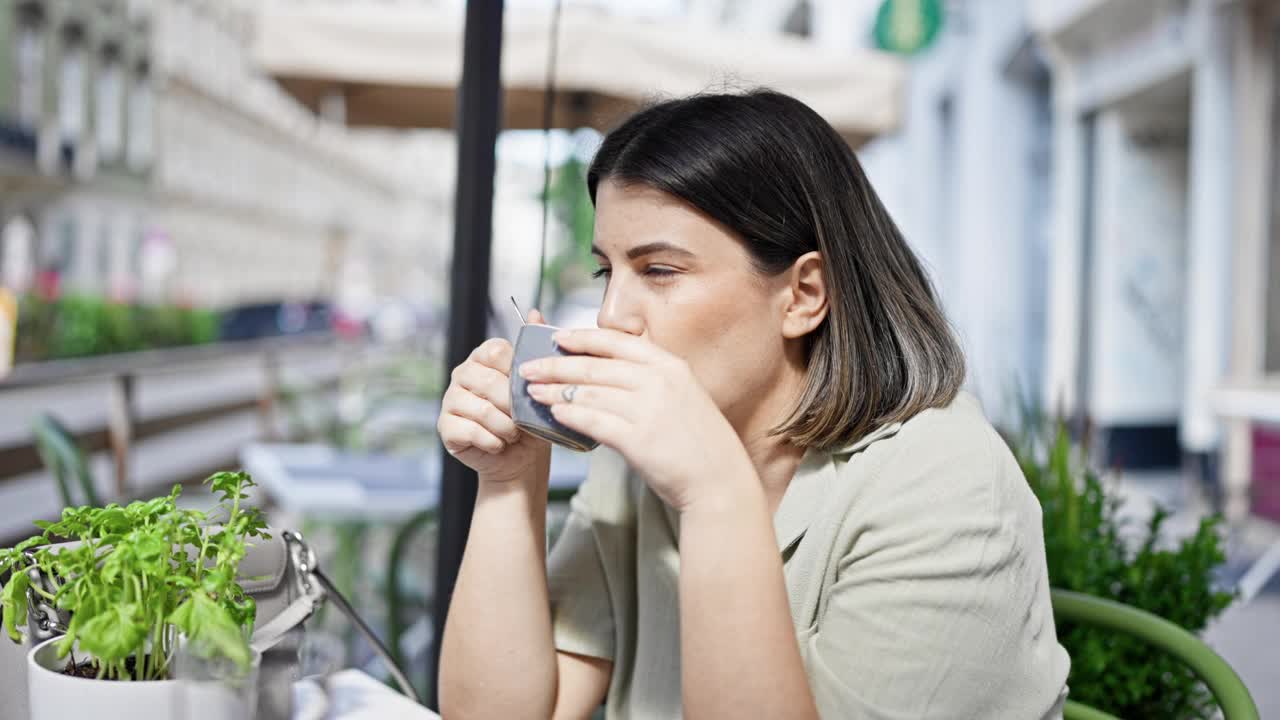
[162,326]
[78,327]
[35,329]
[202,326]
[83,326]
[1087,553]
[120,329]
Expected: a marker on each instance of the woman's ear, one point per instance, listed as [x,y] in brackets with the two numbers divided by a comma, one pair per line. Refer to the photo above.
[807,291]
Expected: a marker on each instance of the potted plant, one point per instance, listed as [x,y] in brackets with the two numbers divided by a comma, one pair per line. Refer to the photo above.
[136,582]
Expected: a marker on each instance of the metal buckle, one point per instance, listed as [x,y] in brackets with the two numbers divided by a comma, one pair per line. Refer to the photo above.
[46,621]
[304,561]
[42,618]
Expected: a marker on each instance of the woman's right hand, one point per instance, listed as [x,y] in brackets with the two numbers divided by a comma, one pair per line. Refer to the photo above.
[475,417]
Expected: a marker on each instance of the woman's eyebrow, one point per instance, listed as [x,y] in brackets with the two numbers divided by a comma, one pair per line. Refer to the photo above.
[647,249]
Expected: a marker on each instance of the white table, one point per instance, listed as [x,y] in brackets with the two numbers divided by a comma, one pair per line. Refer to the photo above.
[353,695]
[325,482]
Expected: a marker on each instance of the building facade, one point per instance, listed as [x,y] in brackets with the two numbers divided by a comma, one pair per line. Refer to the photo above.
[75,112]
[145,157]
[967,179]
[1148,251]
[1251,400]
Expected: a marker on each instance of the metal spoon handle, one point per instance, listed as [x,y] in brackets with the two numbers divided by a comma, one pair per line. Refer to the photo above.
[517,307]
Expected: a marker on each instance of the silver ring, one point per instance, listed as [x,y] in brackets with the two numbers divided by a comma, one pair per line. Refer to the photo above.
[568,393]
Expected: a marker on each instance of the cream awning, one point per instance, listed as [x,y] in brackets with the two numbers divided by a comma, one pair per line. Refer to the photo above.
[398,66]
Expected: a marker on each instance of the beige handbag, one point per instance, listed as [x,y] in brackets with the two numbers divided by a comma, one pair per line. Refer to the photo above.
[287,586]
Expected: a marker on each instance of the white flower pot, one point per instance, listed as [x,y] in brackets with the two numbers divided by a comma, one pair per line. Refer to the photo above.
[55,696]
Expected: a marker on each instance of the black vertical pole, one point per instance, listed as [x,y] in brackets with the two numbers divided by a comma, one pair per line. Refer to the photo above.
[479,110]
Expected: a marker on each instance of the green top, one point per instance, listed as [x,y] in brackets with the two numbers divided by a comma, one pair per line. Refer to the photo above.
[914,564]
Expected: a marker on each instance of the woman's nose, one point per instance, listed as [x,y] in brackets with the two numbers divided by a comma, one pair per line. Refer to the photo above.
[618,313]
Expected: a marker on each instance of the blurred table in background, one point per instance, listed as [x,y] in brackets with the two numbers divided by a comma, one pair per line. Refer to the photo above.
[323,482]
[365,512]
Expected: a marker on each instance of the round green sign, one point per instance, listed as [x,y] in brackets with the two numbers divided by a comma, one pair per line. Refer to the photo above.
[907,26]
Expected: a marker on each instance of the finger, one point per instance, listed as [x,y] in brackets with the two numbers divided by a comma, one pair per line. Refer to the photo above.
[600,425]
[492,385]
[608,343]
[535,317]
[610,399]
[484,413]
[495,353]
[581,370]
[461,434]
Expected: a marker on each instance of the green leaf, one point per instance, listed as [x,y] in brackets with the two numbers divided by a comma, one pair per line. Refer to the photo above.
[12,556]
[68,640]
[13,599]
[229,484]
[115,634]
[211,628]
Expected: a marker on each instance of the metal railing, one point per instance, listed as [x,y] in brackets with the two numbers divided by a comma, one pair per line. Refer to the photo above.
[124,428]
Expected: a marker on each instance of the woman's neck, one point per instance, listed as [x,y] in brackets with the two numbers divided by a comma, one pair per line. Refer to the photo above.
[776,462]
[775,458]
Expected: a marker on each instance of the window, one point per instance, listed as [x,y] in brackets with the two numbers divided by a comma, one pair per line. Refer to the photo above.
[799,20]
[59,247]
[71,87]
[122,260]
[29,66]
[101,272]
[17,254]
[140,121]
[110,106]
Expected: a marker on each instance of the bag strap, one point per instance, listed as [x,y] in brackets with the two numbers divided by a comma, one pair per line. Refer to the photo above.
[315,587]
[383,653]
[271,633]
[311,595]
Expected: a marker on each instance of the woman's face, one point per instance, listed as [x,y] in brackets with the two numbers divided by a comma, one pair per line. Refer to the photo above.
[687,283]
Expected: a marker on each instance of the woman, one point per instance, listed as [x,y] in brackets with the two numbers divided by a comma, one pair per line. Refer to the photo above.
[795,513]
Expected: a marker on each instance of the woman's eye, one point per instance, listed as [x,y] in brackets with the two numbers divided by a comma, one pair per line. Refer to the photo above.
[652,271]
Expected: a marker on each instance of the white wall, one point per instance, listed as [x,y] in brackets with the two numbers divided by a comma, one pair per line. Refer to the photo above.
[1212,229]
[1137,276]
[1111,54]
[959,180]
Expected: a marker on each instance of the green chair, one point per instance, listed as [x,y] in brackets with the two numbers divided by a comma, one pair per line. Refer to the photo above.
[395,595]
[396,599]
[1224,684]
[65,460]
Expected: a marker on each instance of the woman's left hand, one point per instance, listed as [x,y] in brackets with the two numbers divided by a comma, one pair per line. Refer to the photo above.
[644,402]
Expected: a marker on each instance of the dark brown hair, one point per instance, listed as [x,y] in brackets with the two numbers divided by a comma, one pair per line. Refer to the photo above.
[772,170]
